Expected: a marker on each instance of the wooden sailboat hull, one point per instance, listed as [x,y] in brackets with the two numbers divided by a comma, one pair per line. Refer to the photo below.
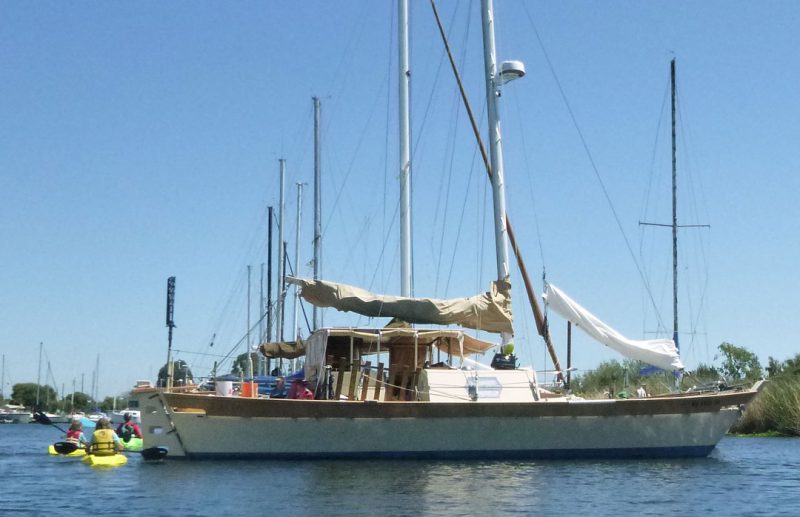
[211,427]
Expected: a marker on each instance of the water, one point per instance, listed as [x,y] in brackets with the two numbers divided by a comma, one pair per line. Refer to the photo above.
[744,476]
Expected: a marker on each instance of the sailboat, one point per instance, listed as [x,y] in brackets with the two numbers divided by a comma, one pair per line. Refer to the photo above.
[424,403]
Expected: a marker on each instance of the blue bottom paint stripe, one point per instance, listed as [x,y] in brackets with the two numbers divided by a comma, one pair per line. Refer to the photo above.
[699,451]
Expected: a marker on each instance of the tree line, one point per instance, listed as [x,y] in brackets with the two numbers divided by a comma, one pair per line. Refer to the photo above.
[775,410]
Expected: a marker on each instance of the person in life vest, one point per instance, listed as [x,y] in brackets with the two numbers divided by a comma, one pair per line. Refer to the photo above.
[104,441]
[128,429]
[75,434]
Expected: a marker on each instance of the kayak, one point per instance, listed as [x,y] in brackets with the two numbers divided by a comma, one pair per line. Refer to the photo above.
[105,461]
[134,444]
[77,452]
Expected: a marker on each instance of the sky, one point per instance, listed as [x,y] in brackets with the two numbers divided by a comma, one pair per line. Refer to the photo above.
[140,141]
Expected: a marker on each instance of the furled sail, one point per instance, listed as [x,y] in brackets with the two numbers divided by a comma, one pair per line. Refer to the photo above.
[283,349]
[490,311]
[658,352]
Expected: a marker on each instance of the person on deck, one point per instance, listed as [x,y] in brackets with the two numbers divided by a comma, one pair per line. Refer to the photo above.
[279,391]
[104,441]
[75,434]
[300,390]
[128,429]
[642,391]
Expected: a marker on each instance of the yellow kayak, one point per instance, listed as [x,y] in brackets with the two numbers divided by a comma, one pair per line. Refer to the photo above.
[77,452]
[105,461]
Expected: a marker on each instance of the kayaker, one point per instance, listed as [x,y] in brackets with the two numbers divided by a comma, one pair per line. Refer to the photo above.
[128,429]
[104,441]
[75,434]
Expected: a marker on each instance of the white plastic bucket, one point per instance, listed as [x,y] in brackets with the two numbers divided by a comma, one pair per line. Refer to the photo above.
[224,388]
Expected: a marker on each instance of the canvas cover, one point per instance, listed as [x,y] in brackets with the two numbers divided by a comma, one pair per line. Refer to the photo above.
[285,350]
[490,311]
[658,352]
[454,342]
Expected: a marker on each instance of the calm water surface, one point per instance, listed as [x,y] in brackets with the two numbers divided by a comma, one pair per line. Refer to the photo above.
[744,476]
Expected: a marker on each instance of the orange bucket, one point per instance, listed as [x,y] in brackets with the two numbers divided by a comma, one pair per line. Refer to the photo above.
[250,389]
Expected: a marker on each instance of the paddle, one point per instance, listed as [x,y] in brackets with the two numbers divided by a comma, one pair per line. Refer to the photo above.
[45,420]
[154,453]
[65,447]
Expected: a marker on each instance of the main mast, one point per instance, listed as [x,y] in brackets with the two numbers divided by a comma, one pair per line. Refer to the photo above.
[495,146]
[404,76]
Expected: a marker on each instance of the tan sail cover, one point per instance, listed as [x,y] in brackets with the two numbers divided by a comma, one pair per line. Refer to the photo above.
[489,311]
[285,350]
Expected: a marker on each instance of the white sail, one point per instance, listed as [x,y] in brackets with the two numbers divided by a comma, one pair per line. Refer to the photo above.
[657,352]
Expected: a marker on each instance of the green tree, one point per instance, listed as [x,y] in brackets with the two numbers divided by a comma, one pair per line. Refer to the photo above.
[738,363]
[77,402]
[792,366]
[181,372]
[25,394]
[240,365]
[774,367]
[706,373]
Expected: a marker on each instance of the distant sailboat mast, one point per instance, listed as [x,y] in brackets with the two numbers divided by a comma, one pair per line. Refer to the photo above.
[39,376]
[317,313]
[281,251]
[674,225]
[297,256]
[674,215]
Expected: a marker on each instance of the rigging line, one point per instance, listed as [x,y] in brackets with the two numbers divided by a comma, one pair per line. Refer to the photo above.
[49,370]
[526,160]
[447,189]
[461,221]
[390,66]
[649,265]
[235,289]
[455,124]
[336,207]
[654,155]
[385,242]
[593,164]
[383,250]
[420,132]
[190,352]
[305,316]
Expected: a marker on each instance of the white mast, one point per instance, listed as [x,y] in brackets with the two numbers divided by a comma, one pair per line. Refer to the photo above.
[317,313]
[297,252]
[495,145]
[404,75]
[281,251]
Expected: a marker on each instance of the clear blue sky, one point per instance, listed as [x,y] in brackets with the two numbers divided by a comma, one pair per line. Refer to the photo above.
[141,140]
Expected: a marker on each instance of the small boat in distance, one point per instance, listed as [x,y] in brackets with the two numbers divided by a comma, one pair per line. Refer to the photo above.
[15,414]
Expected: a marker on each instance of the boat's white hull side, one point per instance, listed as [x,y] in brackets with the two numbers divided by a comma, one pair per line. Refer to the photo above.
[575,429]
[659,435]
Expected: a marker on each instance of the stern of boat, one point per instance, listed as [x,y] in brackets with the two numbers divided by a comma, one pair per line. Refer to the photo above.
[157,427]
